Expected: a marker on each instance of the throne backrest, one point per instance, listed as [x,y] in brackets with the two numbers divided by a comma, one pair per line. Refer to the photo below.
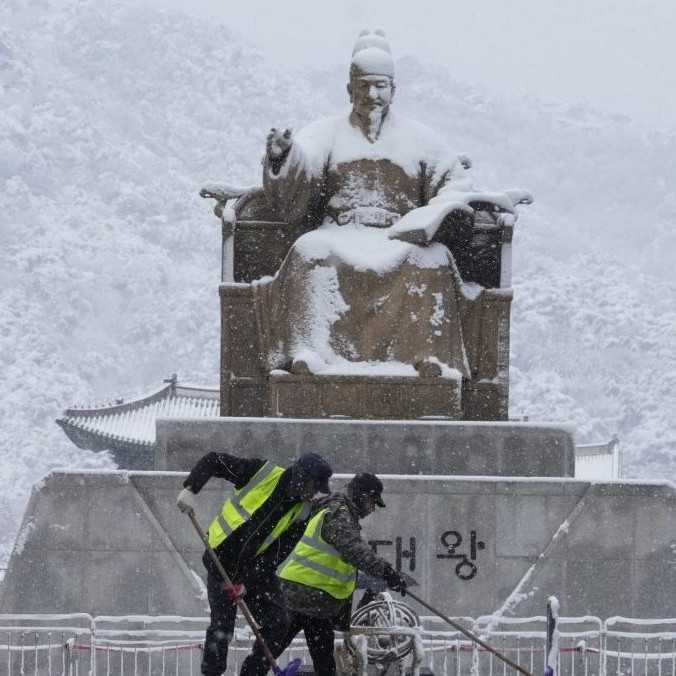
[260,239]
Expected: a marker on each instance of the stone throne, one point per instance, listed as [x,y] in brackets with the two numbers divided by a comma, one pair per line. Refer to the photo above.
[255,242]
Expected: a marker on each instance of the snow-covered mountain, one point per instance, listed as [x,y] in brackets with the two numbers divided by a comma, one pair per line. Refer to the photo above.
[111,117]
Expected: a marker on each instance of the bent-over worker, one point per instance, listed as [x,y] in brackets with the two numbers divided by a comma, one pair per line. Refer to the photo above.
[256,528]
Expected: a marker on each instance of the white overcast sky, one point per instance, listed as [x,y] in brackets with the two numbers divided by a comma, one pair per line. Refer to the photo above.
[616,55]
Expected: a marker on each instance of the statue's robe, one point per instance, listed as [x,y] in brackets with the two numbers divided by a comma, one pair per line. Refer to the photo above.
[348,299]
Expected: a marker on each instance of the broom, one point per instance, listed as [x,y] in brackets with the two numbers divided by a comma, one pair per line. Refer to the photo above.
[292,667]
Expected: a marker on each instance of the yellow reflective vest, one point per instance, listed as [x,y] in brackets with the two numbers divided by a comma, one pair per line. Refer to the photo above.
[244,503]
[315,563]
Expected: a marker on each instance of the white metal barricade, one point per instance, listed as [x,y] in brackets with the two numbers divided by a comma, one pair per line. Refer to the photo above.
[45,645]
[639,647]
[79,645]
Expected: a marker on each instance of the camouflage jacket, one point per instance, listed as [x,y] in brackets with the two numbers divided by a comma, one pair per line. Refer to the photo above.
[341,529]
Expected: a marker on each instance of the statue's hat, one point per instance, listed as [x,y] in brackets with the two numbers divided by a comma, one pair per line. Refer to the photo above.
[371,55]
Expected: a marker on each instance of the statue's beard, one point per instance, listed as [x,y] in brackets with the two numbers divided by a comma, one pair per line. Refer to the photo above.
[369,120]
[375,122]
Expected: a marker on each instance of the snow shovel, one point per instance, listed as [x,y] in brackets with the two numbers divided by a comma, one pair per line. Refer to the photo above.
[468,633]
[291,669]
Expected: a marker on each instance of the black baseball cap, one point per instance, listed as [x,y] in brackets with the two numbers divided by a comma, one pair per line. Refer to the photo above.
[369,484]
[316,467]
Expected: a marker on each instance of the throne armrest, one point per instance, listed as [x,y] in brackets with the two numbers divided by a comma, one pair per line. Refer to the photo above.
[255,238]
[481,245]
[490,250]
[223,193]
[484,260]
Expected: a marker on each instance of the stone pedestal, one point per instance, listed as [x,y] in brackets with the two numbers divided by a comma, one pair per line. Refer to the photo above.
[380,446]
[351,396]
[113,543]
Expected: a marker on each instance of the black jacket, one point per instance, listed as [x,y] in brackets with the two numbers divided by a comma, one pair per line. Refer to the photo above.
[238,552]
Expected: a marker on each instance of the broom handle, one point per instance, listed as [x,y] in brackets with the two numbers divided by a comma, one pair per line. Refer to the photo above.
[468,633]
[241,604]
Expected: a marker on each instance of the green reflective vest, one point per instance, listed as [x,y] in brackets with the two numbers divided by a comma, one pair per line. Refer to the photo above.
[315,563]
[244,503]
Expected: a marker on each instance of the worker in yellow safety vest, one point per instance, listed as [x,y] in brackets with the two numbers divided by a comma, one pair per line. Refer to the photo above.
[319,576]
[256,528]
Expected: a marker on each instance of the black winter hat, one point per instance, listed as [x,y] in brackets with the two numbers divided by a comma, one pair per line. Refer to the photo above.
[316,467]
[366,483]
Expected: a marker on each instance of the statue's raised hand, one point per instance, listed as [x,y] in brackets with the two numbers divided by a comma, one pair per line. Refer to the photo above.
[278,143]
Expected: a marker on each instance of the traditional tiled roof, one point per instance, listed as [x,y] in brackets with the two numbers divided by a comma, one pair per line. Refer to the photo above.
[599,461]
[129,425]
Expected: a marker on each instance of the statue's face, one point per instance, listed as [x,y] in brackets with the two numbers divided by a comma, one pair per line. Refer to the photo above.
[370,93]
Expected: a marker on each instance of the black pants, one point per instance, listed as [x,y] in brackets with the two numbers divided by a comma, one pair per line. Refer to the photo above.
[264,599]
[318,636]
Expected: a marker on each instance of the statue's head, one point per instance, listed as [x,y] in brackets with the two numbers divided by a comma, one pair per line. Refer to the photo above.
[371,86]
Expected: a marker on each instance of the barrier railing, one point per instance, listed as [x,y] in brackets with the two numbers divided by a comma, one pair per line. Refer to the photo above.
[45,645]
[639,646]
[81,645]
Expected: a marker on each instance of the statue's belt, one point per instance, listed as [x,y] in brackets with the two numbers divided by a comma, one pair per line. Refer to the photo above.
[376,217]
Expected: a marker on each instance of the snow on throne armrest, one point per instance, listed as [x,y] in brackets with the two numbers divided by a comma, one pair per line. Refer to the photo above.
[420,225]
[222,193]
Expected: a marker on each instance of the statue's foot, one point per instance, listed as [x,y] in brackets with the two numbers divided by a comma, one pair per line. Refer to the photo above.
[428,369]
[300,367]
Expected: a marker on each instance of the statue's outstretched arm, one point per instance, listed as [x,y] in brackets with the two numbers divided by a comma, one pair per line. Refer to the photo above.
[290,181]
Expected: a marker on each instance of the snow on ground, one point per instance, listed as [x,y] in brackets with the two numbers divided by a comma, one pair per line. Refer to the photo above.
[111,118]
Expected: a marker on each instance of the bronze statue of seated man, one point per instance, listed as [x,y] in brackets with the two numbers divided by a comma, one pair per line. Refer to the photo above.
[369,290]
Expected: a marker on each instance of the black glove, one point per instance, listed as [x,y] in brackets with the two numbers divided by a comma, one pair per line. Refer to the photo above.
[395,580]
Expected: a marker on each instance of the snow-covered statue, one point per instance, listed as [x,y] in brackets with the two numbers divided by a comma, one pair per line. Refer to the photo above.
[366,278]
[372,289]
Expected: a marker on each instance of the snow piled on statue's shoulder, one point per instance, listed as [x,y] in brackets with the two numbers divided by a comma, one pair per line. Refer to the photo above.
[402,140]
